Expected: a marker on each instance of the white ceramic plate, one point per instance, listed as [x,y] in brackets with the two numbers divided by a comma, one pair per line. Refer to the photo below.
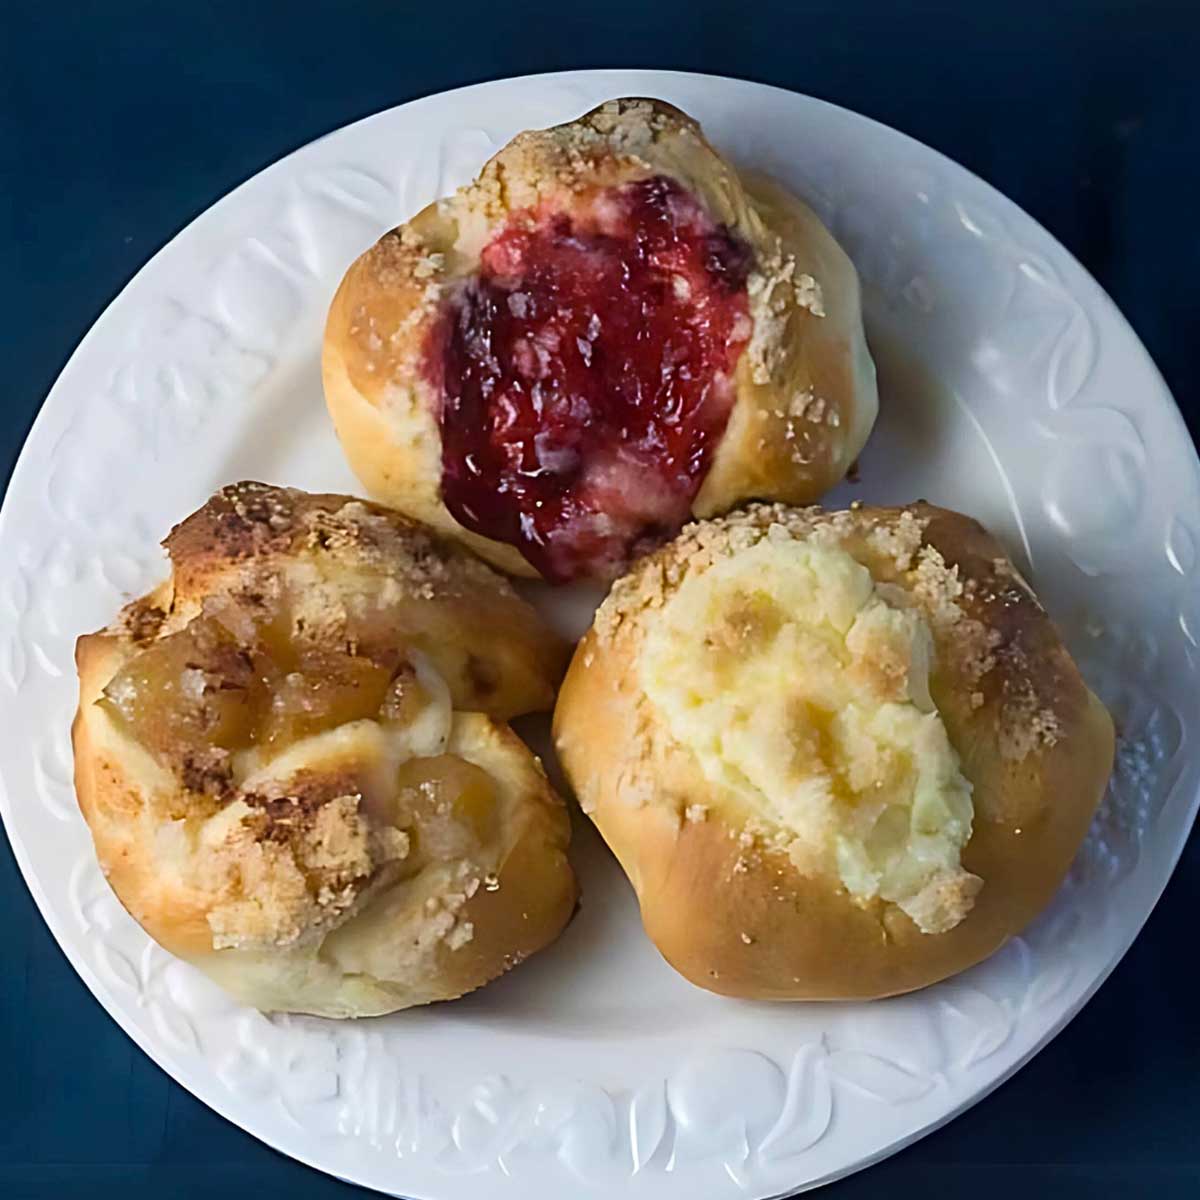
[1011,389]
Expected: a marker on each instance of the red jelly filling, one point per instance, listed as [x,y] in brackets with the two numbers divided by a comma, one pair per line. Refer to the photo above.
[587,374]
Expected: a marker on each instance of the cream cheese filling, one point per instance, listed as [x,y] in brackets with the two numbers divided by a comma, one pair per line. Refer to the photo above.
[801,687]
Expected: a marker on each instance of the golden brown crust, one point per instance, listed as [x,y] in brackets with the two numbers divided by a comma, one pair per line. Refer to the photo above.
[398,851]
[1032,739]
[112,805]
[806,396]
[494,651]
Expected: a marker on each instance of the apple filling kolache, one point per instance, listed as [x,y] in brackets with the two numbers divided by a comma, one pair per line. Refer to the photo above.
[294,760]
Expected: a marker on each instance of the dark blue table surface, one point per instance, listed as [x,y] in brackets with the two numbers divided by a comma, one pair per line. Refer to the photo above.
[120,121]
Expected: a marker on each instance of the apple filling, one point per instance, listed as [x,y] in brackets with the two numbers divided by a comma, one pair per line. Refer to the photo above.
[202,694]
[312,771]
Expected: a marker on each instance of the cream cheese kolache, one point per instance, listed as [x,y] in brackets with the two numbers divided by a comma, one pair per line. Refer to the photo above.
[839,754]
[609,332]
[294,761]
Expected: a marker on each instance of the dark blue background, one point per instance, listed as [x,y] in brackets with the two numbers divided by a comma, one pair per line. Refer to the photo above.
[122,121]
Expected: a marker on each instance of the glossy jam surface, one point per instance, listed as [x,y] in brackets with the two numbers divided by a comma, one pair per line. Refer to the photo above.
[587,374]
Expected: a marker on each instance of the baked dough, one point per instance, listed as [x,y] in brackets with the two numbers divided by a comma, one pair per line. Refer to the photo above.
[839,755]
[446,345]
[293,758]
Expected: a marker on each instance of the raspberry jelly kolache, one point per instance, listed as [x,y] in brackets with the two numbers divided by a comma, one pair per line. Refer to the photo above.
[609,332]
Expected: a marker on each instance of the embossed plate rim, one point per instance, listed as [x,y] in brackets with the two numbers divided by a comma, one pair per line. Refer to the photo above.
[755,1179]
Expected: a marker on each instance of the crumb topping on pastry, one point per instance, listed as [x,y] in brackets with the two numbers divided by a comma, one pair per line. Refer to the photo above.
[968,612]
[292,681]
[256,524]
